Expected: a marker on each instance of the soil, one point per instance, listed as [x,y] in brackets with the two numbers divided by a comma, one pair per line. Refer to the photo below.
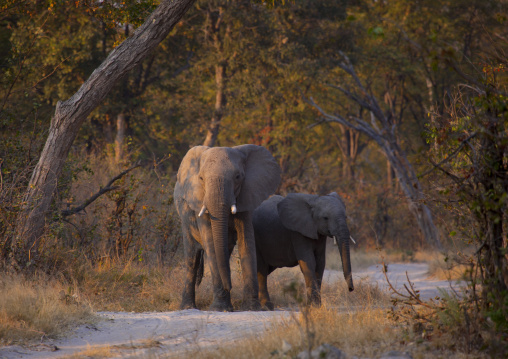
[173,334]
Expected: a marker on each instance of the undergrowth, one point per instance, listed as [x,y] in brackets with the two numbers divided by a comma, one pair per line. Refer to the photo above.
[39,308]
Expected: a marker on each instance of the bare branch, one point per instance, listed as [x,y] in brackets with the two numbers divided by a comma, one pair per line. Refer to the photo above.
[411,297]
[438,165]
[352,96]
[364,127]
[474,81]
[103,190]
[374,106]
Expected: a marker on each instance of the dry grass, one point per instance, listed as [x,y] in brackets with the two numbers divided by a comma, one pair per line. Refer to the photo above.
[136,286]
[110,351]
[325,326]
[38,308]
[447,270]
[94,352]
[365,334]
[131,286]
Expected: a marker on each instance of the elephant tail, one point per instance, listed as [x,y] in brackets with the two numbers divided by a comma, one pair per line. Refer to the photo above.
[201,267]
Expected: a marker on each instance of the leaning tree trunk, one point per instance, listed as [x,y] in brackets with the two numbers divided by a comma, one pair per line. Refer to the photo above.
[69,116]
[382,129]
[411,187]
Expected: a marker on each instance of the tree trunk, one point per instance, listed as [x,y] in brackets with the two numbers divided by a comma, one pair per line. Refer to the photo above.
[220,103]
[215,20]
[348,144]
[121,128]
[493,177]
[389,175]
[69,116]
[408,181]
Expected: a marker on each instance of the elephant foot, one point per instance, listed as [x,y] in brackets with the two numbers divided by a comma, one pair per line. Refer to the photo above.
[185,305]
[252,305]
[267,306]
[221,301]
[188,302]
[221,306]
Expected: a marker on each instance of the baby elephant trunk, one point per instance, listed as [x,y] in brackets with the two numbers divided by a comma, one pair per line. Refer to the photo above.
[343,244]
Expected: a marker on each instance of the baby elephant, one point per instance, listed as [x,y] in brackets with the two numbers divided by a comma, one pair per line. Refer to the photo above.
[292,231]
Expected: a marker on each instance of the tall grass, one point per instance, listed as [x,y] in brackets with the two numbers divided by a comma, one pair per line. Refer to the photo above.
[38,308]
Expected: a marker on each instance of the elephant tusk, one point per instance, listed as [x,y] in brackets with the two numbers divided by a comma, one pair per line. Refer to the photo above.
[233,209]
[334,240]
[352,239]
[203,209]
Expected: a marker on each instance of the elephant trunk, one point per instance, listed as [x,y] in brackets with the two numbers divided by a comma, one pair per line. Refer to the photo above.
[218,204]
[220,241]
[343,244]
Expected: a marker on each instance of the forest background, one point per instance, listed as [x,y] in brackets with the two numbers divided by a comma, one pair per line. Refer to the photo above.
[400,107]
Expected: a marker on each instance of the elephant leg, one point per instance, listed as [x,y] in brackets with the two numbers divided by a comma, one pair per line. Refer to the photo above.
[263,272]
[192,254]
[320,257]
[193,258]
[221,297]
[308,268]
[304,251]
[247,250]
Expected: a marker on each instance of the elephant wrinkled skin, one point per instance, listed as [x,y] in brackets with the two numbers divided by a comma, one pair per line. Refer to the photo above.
[216,191]
[292,231]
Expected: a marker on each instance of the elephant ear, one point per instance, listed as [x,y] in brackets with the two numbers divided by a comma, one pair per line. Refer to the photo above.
[339,198]
[295,212]
[262,177]
[188,185]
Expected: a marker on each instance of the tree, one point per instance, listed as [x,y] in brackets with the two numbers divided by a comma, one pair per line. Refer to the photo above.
[471,151]
[383,130]
[69,116]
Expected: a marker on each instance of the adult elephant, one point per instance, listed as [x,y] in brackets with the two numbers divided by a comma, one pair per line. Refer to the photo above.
[292,231]
[216,191]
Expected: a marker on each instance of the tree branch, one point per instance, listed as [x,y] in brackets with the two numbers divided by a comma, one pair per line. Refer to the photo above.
[103,190]
[438,165]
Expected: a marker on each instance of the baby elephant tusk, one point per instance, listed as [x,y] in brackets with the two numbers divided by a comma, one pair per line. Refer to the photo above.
[203,209]
[352,239]
[233,209]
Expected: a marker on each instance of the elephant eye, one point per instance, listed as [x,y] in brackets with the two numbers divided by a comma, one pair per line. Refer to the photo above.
[325,218]
[238,176]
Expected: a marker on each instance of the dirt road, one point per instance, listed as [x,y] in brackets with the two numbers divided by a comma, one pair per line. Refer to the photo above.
[175,333]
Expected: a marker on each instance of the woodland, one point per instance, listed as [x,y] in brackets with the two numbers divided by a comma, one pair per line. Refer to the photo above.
[401,107]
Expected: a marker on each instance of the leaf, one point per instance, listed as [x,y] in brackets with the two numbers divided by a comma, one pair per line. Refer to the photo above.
[376,31]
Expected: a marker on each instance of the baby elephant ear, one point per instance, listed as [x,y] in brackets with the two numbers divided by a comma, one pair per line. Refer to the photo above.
[262,177]
[295,212]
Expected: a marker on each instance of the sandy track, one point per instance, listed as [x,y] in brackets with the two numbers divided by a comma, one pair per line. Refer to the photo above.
[170,333]
[173,334]
[396,272]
